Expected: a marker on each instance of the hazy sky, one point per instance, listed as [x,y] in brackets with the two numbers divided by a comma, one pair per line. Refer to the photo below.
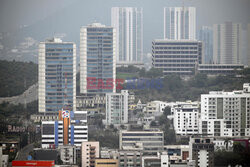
[45,18]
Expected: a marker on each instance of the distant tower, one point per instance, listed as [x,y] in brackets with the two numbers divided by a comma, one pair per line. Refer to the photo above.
[206,36]
[227,43]
[180,23]
[57,75]
[128,22]
[97,59]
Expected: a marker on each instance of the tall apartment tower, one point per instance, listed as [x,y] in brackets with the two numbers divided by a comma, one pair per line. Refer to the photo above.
[227,43]
[180,23]
[117,108]
[129,26]
[206,36]
[57,76]
[97,59]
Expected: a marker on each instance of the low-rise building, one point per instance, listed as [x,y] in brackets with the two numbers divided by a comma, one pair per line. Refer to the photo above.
[152,141]
[201,150]
[106,163]
[72,129]
[155,107]
[177,153]
[68,154]
[220,69]
[117,108]
[186,118]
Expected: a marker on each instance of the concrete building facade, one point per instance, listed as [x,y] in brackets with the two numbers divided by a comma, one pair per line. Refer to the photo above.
[177,56]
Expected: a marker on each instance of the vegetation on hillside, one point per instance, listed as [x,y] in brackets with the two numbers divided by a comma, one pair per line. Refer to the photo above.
[174,88]
[16,77]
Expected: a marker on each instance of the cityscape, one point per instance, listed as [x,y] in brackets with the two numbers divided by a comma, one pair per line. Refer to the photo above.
[125,83]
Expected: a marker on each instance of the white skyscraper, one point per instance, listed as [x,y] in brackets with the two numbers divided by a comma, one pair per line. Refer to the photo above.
[129,26]
[227,43]
[180,23]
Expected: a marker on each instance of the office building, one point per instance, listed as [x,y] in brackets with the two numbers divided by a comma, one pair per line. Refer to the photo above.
[177,56]
[227,43]
[206,36]
[226,114]
[129,26]
[70,129]
[90,152]
[180,23]
[56,76]
[151,141]
[97,59]
[106,163]
[186,118]
[201,150]
[117,108]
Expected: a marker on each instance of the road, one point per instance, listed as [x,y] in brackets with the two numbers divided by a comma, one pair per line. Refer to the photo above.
[30,95]
[24,152]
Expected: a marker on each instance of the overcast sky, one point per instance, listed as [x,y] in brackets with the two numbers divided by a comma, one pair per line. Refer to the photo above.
[45,18]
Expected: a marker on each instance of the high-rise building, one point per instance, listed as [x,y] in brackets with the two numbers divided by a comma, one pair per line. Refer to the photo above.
[201,150]
[129,26]
[227,43]
[180,23]
[206,36]
[226,114]
[97,59]
[117,108]
[177,56]
[57,76]
[70,129]
[90,151]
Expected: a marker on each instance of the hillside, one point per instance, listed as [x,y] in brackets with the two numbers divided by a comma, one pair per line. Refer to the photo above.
[16,77]
[174,88]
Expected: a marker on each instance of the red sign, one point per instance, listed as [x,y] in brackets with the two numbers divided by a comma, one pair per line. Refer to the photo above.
[33,163]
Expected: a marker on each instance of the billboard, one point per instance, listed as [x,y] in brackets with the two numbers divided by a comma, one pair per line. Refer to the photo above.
[33,163]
